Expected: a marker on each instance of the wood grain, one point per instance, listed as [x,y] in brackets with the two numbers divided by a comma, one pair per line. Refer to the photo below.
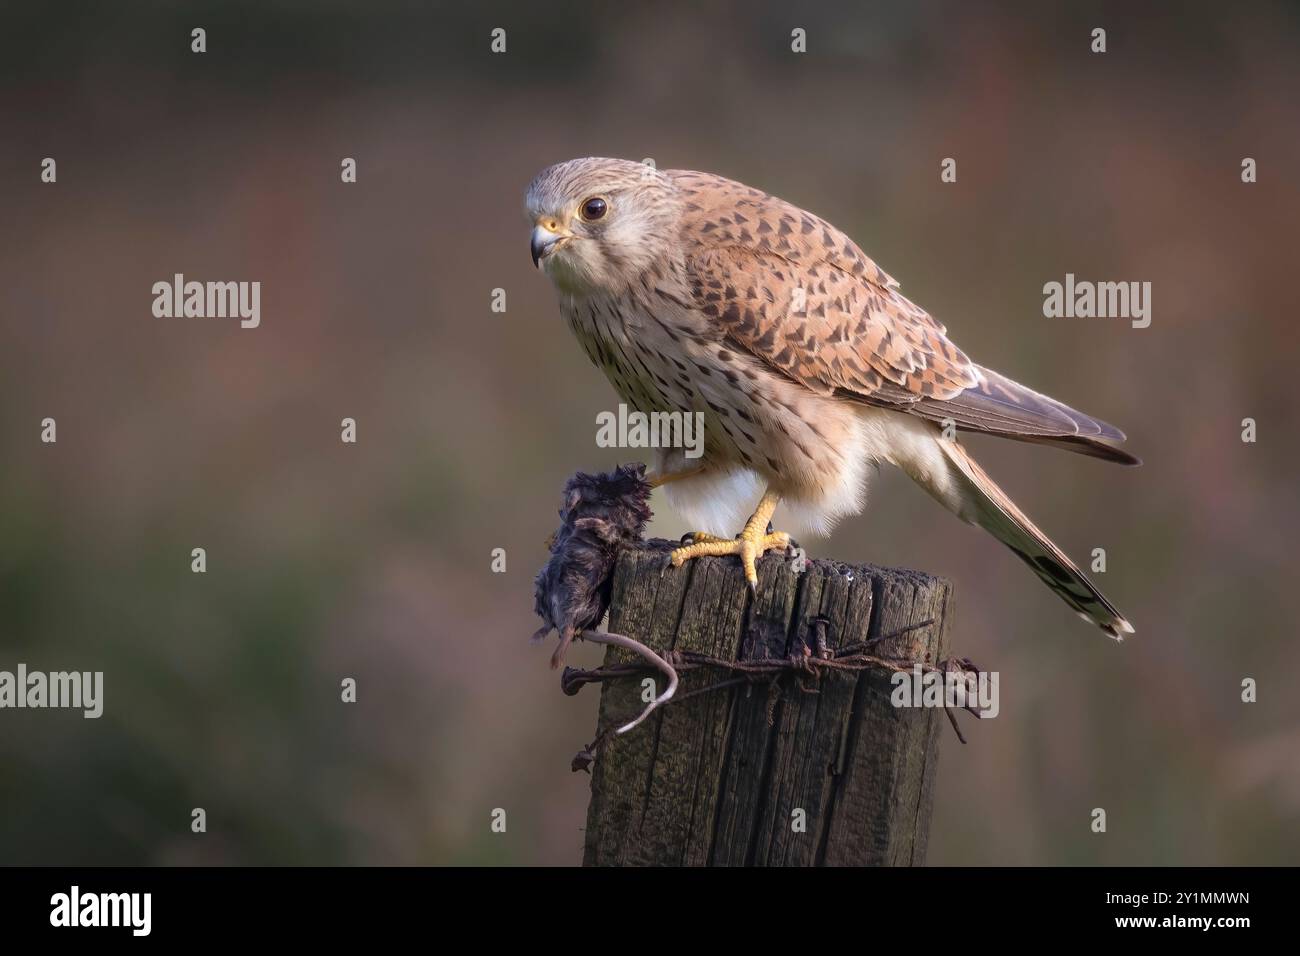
[716,779]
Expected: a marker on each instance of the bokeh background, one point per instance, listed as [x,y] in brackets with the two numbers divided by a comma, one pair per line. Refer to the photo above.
[372,560]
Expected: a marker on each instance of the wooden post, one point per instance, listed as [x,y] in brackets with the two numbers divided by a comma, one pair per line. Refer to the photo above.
[719,778]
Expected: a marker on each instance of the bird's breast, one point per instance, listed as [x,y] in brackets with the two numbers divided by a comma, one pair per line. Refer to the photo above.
[623,338]
[662,357]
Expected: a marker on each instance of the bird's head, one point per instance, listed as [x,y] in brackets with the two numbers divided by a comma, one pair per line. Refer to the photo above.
[598,224]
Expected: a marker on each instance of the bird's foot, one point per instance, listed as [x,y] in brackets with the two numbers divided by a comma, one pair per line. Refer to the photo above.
[751,544]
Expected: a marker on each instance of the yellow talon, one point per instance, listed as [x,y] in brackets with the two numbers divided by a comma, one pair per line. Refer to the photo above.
[703,537]
[750,544]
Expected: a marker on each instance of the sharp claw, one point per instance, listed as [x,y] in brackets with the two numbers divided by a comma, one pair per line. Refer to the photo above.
[748,546]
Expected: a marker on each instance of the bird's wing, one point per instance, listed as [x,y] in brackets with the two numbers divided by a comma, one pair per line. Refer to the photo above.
[755,260]
[791,289]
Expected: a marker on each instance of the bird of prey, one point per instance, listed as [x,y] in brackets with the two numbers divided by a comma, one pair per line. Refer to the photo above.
[695,293]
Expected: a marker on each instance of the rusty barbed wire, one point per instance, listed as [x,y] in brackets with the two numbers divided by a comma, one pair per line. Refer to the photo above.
[805,661]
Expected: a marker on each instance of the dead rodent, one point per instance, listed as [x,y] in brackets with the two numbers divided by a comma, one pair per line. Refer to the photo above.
[602,515]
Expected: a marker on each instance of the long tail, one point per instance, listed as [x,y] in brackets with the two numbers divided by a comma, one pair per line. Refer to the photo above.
[983,503]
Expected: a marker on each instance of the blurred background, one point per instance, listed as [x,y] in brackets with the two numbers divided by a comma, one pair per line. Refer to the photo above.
[373,560]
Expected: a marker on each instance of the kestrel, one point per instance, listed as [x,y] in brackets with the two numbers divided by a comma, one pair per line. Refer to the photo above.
[695,293]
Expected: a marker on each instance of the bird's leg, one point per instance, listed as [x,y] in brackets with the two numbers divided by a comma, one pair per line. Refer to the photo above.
[750,544]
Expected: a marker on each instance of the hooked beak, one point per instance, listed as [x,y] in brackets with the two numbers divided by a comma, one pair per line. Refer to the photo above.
[544,243]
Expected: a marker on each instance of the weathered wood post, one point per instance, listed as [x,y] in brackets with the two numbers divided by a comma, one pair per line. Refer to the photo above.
[719,778]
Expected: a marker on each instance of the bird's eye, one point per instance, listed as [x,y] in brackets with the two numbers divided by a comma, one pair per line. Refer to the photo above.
[594,208]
